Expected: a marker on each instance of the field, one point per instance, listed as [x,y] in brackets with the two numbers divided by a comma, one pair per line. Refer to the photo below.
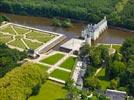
[50,91]
[24,38]
[53,59]
[69,63]
[59,74]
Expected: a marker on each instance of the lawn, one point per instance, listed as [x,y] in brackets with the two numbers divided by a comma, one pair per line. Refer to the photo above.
[39,37]
[5,38]
[32,45]
[69,63]
[44,68]
[18,43]
[53,59]
[103,80]
[116,47]
[9,30]
[107,46]
[50,91]
[59,74]
[20,30]
[43,37]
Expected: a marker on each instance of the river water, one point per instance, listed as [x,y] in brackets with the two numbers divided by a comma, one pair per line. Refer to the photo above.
[111,35]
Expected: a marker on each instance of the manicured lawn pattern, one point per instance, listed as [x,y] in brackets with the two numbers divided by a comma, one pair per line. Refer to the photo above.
[69,63]
[37,38]
[5,38]
[50,91]
[18,43]
[53,59]
[32,45]
[20,30]
[59,74]
[43,37]
[9,30]
[103,80]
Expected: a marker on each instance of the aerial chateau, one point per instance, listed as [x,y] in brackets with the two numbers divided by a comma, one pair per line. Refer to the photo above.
[93,31]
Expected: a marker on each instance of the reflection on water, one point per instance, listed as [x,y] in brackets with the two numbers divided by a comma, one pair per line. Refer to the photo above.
[114,36]
[109,36]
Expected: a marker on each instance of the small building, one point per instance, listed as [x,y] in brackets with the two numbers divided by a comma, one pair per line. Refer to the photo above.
[116,95]
[32,54]
[72,45]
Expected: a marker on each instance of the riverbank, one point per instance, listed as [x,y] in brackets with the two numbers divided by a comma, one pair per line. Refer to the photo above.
[110,36]
[120,28]
[117,11]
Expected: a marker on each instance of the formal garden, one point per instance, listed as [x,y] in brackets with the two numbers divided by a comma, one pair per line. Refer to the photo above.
[24,37]
[64,68]
[53,59]
[62,75]
[69,63]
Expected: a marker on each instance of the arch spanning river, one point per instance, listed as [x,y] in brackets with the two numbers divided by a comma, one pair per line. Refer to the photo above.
[111,35]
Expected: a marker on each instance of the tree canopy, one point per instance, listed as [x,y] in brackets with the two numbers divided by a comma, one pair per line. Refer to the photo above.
[9,58]
[21,82]
[119,12]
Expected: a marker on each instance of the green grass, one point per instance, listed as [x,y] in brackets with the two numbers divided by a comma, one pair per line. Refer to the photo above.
[43,37]
[18,43]
[94,98]
[5,38]
[104,82]
[53,59]
[9,30]
[32,45]
[69,63]
[50,91]
[59,74]
[19,36]
[44,68]
[116,47]
[20,30]
[107,46]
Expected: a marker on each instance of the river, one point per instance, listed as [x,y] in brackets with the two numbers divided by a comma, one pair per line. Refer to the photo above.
[111,35]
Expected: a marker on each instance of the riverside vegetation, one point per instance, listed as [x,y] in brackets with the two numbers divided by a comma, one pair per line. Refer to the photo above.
[119,12]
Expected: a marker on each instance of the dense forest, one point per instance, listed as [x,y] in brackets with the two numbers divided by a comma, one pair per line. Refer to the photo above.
[119,12]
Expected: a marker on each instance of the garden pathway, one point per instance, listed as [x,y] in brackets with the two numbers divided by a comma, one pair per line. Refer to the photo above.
[98,70]
[57,80]
[56,66]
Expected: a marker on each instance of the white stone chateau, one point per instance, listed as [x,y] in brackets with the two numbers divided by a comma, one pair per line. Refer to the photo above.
[94,31]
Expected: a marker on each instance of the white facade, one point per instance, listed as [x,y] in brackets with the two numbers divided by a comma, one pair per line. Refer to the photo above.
[94,31]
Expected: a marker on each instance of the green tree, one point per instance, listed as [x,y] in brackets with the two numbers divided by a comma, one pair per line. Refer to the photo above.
[127,49]
[21,82]
[117,68]
[113,84]
[92,83]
